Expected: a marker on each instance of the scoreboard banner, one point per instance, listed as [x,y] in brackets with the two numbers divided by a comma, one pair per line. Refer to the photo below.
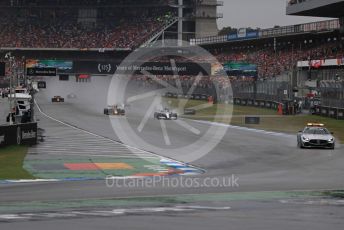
[41,72]
[61,66]
[154,68]
[243,34]
[241,69]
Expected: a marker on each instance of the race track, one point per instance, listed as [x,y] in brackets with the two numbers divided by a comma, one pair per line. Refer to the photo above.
[263,161]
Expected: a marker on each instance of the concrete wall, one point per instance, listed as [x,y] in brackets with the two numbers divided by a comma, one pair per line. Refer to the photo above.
[206,19]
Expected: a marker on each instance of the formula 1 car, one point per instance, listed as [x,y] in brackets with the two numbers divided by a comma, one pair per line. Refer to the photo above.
[165,114]
[315,135]
[57,99]
[114,110]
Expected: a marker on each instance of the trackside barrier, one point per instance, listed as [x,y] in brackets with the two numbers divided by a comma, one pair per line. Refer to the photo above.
[189,112]
[237,101]
[325,111]
[340,114]
[268,104]
[202,97]
[256,103]
[318,110]
[19,134]
[249,120]
[332,112]
[275,105]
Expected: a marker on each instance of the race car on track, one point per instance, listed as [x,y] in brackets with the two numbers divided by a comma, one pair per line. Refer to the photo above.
[165,114]
[57,99]
[114,110]
[315,135]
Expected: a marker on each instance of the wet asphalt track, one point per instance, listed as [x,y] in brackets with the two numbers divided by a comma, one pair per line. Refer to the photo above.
[261,161]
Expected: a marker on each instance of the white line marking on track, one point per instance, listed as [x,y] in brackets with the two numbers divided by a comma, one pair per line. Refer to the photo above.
[105,138]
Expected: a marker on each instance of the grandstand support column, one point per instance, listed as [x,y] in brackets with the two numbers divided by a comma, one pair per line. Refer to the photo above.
[180,22]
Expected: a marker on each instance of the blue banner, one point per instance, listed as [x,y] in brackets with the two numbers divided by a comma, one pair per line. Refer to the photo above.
[243,36]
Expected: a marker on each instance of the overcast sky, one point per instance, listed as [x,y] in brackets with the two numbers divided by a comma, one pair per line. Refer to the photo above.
[258,13]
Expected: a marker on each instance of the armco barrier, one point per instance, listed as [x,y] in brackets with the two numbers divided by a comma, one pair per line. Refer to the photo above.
[18,134]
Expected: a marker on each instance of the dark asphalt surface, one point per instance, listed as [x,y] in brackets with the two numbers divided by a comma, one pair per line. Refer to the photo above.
[261,161]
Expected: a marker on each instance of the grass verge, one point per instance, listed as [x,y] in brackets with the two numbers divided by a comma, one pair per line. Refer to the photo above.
[11,163]
[270,121]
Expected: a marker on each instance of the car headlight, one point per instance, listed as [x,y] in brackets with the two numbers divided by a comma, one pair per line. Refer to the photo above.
[331,140]
[305,138]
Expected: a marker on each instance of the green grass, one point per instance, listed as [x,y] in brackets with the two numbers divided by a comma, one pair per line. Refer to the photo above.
[269,119]
[11,163]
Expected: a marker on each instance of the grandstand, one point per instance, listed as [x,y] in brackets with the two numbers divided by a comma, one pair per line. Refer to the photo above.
[296,62]
[64,26]
[97,35]
[103,24]
[316,8]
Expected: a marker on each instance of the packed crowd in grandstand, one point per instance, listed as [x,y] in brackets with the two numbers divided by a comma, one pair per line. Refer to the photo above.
[67,28]
[271,63]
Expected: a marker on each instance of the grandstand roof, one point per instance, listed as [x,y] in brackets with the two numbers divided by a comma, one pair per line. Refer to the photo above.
[317,8]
